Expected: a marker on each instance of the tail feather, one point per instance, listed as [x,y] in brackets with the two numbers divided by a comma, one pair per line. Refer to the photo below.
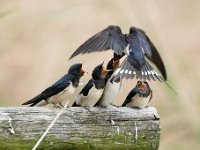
[144,73]
[34,100]
[123,76]
[75,105]
[33,104]
[153,73]
[127,71]
[160,78]
[137,75]
[150,76]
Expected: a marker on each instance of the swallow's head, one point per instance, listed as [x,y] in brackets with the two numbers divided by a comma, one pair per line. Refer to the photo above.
[143,89]
[133,30]
[117,29]
[76,69]
[112,65]
[100,72]
[142,85]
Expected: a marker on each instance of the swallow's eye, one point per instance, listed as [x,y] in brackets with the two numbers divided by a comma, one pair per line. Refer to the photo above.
[139,82]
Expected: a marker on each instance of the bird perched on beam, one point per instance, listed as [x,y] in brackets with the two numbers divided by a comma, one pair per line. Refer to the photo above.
[139,96]
[93,90]
[60,90]
[112,87]
[136,45]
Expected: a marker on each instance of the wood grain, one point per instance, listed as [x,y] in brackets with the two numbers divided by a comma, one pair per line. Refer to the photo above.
[78,127]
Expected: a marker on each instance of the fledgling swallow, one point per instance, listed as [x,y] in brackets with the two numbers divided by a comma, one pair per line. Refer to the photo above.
[112,87]
[136,45]
[60,90]
[139,96]
[93,90]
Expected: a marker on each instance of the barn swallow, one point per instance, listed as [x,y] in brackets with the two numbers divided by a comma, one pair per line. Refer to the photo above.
[136,45]
[112,87]
[138,96]
[93,90]
[60,90]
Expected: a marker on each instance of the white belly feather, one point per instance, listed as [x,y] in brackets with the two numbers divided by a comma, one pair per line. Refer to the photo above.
[63,95]
[91,99]
[110,92]
[140,102]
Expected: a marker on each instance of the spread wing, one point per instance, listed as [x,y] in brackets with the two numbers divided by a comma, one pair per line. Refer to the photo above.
[150,51]
[109,38]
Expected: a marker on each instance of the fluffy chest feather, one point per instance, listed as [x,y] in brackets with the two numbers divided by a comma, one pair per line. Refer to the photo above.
[110,92]
[91,99]
[61,96]
[138,101]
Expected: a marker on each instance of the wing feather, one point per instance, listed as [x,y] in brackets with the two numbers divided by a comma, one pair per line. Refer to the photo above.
[109,38]
[128,99]
[150,51]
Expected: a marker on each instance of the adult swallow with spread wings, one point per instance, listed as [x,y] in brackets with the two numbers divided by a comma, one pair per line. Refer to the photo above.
[60,90]
[136,45]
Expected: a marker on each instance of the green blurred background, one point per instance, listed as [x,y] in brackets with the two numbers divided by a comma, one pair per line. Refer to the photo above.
[37,38]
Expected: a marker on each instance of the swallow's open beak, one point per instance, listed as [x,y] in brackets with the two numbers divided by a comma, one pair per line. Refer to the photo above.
[105,70]
[102,63]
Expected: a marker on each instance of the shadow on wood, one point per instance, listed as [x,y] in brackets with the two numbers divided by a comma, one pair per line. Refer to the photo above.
[102,128]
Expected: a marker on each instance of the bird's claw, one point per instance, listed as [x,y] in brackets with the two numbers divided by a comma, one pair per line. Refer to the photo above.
[88,108]
[60,104]
[57,106]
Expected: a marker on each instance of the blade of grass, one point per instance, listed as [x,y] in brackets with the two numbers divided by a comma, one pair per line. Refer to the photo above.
[49,127]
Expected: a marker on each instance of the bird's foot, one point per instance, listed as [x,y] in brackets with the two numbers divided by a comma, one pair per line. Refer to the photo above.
[57,106]
[88,108]
[60,104]
[113,105]
[136,107]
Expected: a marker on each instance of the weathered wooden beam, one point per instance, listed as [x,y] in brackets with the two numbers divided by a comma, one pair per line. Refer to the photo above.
[78,128]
